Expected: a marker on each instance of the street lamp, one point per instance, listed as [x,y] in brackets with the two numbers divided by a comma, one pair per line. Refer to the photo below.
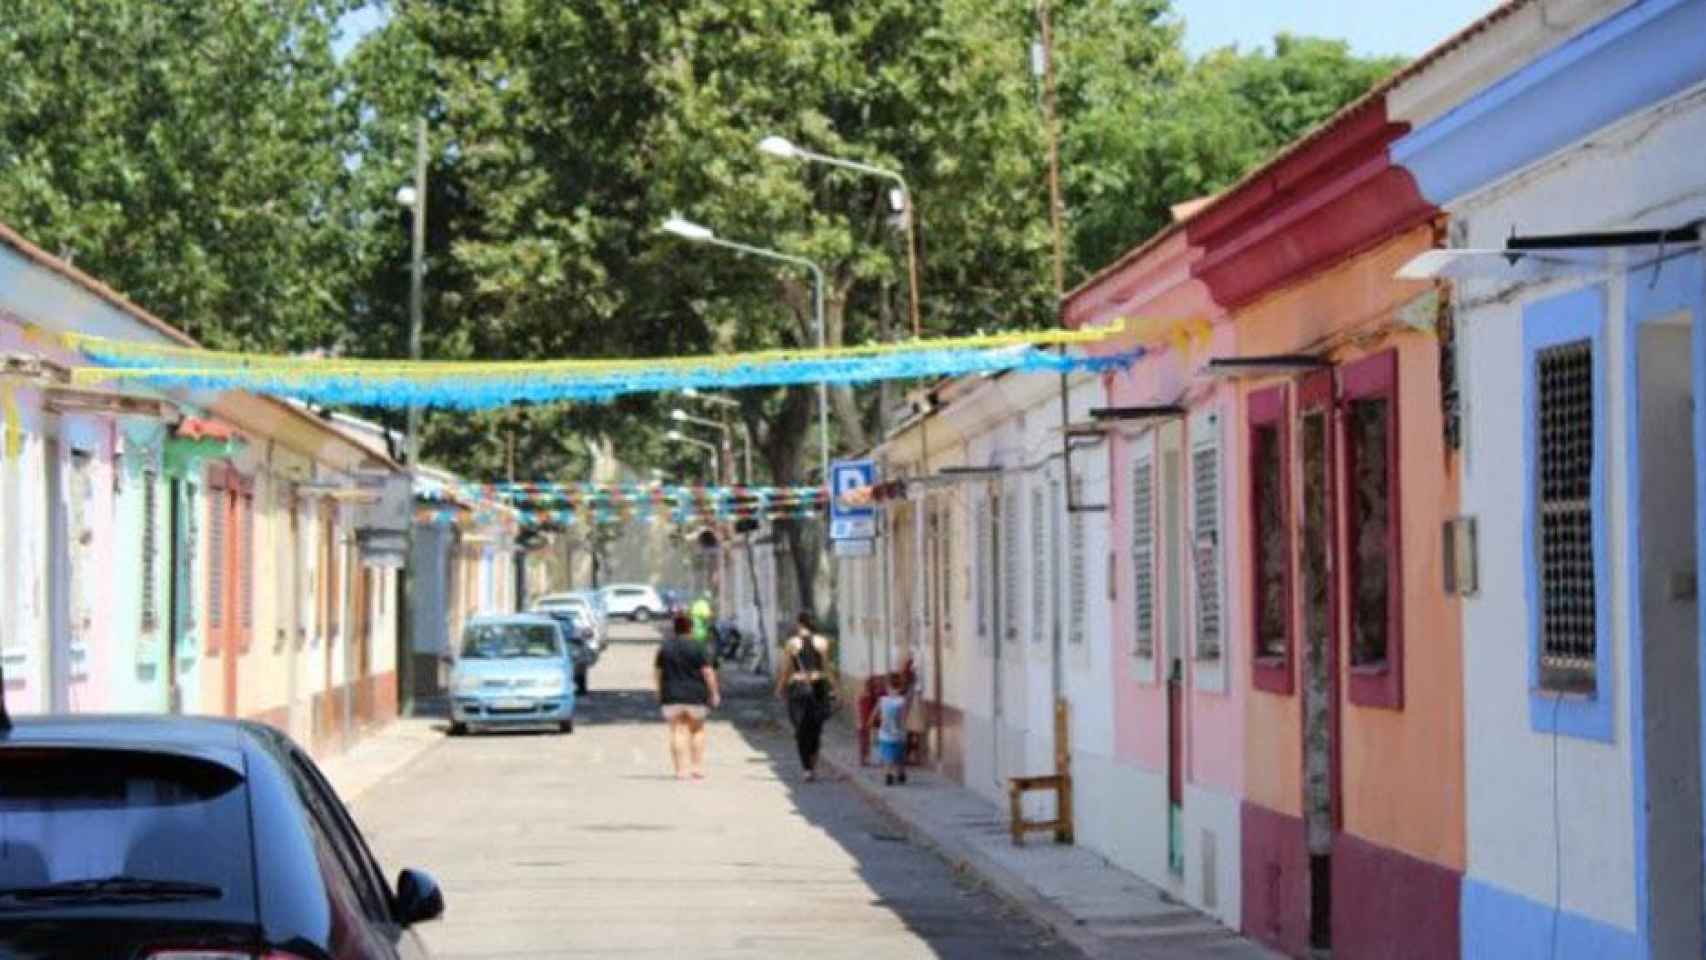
[709,398]
[413,197]
[900,199]
[729,449]
[709,448]
[688,230]
[745,431]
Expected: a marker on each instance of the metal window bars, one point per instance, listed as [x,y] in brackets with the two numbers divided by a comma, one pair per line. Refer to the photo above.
[1564,473]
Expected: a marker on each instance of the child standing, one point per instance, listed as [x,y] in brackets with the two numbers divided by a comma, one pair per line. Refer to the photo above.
[890,710]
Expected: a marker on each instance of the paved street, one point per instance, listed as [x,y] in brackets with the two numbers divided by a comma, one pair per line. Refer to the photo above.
[585,845]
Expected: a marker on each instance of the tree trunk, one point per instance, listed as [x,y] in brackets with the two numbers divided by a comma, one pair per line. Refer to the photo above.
[783,443]
[842,404]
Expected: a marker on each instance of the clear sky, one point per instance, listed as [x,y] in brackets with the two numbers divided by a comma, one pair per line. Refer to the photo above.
[1373,27]
[355,24]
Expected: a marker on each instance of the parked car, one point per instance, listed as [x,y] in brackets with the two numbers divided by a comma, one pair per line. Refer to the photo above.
[638,602]
[512,670]
[589,604]
[188,837]
[578,631]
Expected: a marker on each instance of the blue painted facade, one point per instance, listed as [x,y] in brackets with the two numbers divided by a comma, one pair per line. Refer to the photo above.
[1647,53]
[1650,50]
[1498,923]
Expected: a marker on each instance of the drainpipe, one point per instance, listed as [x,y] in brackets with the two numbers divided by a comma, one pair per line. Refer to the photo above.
[348,628]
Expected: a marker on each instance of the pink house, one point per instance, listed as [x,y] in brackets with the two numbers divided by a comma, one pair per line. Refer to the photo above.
[1178,711]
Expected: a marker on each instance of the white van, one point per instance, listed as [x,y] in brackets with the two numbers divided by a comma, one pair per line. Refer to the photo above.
[636,601]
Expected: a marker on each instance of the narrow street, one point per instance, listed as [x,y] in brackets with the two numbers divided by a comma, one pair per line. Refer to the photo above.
[585,846]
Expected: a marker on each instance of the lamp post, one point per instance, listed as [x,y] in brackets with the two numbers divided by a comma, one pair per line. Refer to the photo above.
[688,230]
[729,447]
[414,198]
[745,431]
[788,150]
[709,448]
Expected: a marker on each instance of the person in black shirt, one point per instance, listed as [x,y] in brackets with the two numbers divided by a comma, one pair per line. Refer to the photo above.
[809,687]
[687,689]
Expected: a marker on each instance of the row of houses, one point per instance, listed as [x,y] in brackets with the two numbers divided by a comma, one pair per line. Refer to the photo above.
[1371,588]
[169,551]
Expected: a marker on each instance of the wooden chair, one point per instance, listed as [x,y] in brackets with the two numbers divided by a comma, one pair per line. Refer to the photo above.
[1060,782]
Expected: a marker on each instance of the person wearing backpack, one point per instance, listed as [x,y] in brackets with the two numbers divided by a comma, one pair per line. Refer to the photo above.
[809,686]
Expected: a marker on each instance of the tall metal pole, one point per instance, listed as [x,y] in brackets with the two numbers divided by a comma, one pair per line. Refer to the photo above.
[822,386]
[417,274]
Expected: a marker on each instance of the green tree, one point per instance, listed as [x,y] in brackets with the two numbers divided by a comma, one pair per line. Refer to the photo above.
[189,154]
[1144,136]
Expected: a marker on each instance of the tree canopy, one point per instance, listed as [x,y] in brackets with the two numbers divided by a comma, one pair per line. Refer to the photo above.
[221,165]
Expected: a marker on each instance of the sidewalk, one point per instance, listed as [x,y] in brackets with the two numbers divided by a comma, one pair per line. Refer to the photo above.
[380,754]
[1101,910]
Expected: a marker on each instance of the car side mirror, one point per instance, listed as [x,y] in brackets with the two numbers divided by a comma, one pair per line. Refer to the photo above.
[418,898]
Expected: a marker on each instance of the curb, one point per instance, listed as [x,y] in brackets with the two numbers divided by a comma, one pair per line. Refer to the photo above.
[1006,884]
[354,776]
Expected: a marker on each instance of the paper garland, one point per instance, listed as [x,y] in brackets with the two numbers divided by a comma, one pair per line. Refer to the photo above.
[482,385]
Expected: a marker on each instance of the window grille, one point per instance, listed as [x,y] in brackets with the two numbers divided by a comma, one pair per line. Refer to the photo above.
[1143,554]
[150,551]
[1205,512]
[1568,629]
[980,587]
[1077,576]
[1039,564]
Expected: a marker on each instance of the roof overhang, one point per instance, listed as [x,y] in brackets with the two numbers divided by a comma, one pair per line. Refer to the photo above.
[1236,368]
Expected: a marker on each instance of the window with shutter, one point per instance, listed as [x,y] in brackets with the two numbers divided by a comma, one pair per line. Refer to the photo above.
[1205,545]
[1039,564]
[1270,532]
[1054,565]
[1077,576]
[188,612]
[1010,548]
[150,551]
[982,534]
[246,562]
[1373,553]
[216,535]
[945,560]
[1143,554]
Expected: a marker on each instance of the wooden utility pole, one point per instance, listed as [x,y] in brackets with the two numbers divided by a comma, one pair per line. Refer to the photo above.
[1052,128]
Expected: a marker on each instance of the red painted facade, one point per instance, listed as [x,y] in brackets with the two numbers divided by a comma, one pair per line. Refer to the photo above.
[1334,194]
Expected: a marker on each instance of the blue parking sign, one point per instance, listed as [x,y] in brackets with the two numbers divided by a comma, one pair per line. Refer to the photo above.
[851,523]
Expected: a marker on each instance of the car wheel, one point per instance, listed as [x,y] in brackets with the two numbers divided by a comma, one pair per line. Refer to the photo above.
[567,726]
[457,729]
[641,615]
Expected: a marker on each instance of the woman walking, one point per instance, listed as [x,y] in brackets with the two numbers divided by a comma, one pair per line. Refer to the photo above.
[809,686]
[687,690]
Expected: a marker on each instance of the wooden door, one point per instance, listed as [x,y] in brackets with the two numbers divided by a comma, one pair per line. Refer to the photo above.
[230,573]
[1318,631]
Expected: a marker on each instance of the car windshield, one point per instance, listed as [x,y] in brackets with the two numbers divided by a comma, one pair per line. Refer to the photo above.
[506,641]
[86,827]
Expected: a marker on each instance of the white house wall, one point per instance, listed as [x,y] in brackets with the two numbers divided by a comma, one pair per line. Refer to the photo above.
[1511,789]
